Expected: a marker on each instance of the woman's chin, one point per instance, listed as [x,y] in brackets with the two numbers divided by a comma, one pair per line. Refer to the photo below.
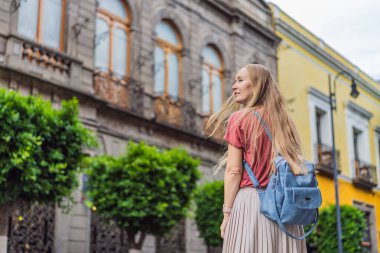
[239,101]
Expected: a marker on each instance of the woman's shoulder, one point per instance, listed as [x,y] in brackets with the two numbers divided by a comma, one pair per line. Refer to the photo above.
[244,113]
[246,116]
[241,116]
[236,115]
[239,113]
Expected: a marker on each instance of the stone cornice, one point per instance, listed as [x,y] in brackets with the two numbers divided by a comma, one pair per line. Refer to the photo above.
[234,13]
[261,4]
[255,25]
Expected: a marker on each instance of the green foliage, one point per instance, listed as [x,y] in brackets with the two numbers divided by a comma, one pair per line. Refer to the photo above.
[353,226]
[143,189]
[40,148]
[311,240]
[209,216]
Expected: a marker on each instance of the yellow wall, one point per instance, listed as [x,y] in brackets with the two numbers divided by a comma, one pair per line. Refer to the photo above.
[298,70]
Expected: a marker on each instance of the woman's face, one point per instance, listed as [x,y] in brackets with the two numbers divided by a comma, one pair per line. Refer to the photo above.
[242,88]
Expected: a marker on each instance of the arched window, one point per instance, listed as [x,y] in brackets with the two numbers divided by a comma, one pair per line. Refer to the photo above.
[112,39]
[167,61]
[212,80]
[43,21]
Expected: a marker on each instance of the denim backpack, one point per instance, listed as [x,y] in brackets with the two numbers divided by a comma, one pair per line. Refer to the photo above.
[288,199]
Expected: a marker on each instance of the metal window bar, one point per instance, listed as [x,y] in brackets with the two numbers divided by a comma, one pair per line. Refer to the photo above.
[367,242]
[366,172]
[324,155]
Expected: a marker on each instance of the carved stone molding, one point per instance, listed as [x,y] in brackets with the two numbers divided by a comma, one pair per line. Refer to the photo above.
[45,58]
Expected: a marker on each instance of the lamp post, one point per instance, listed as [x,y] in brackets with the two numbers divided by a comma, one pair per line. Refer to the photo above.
[332,99]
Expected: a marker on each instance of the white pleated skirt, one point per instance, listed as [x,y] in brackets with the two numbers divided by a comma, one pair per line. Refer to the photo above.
[249,231]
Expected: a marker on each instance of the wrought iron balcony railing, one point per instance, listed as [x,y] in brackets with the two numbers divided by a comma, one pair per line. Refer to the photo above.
[119,91]
[365,174]
[129,94]
[177,112]
[325,163]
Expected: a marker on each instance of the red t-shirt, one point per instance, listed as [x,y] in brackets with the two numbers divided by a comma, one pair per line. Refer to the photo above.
[237,137]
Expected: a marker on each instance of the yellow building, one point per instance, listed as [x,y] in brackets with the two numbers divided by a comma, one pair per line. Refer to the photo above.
[305,66]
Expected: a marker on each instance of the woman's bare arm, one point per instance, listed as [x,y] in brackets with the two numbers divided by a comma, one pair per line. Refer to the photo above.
[232,175]
[232,178]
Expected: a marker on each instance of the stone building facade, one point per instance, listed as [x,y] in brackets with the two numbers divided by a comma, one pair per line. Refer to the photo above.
[142,70]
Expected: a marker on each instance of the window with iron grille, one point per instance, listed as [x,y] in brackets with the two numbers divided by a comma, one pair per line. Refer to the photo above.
[369,242]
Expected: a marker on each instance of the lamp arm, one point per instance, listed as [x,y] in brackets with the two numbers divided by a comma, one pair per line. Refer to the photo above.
[342,72]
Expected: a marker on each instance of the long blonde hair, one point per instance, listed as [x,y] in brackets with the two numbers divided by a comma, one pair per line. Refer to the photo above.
[267,98]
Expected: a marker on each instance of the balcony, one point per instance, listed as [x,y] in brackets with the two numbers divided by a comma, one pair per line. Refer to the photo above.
[45,58]
[325,164]
[29,57]
[118,91]
[128,94]
[179,113]
[49,65]
[365,175]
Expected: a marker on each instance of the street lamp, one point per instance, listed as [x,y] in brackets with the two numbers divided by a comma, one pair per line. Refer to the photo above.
[332,99]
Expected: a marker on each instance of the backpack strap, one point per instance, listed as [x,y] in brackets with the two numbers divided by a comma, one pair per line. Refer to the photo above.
[246,166]
[254,180]
[262,122]
[266,128]
[283,228]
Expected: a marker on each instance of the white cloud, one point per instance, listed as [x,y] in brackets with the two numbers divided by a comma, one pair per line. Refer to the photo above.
[352,28]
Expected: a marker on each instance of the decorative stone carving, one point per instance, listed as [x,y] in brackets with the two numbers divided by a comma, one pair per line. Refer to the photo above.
[179,113]
[122,92]
[112,89]
[45,58]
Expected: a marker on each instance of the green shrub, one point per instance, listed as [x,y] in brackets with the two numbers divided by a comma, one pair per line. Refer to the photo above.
[353,227]
[143,189]
[40,148]
[209,216]
[311,240]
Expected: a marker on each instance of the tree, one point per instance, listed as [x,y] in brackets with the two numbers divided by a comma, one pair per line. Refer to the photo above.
[209,215]
[353,227]
[143,190]
[40,150]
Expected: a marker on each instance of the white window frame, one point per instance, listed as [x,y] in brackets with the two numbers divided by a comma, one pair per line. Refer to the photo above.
[377,152]
[319,101]
[358,118]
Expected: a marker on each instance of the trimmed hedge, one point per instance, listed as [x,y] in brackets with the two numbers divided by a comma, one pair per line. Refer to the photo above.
[143,190]
[353,227]
[40,148]
[209,215]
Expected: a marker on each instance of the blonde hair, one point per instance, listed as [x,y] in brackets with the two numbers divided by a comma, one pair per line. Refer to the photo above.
[267,98]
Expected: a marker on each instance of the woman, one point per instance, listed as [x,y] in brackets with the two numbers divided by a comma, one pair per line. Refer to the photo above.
[244,228]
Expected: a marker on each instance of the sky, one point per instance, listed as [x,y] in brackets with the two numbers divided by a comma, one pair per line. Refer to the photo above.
[350,27]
